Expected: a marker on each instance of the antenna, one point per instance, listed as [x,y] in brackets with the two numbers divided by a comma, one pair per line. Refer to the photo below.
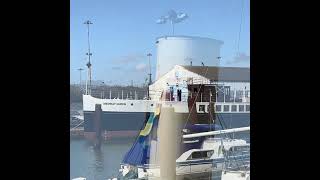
[89,54]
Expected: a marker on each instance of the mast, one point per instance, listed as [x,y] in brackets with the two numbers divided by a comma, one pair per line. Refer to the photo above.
[150,81]
[88,87]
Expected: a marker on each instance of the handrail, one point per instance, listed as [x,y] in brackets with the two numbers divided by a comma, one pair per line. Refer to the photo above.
[210,133]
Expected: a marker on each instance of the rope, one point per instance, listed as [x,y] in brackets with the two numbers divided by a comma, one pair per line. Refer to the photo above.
[77,125]
[238,46]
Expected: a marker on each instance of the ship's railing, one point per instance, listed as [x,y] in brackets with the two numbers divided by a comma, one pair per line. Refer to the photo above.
[199,81]
[202,97]
[239,161]
[206,161]
[119,93]
[220,107]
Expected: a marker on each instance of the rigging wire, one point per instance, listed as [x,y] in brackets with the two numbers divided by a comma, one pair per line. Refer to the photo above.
[77,125]
[240,26]
[229,136]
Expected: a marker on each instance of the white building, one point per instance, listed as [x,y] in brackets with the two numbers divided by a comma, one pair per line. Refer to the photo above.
[232,83]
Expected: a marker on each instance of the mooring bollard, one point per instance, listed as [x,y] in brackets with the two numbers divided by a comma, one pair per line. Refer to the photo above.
[97,118]
[169,140]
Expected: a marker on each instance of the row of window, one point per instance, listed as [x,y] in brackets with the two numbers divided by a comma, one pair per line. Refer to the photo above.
[226,108]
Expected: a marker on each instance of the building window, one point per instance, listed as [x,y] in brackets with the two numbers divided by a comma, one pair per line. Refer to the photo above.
[234,108]
[218,108]
[247,108]
[226,108]
[241,108]
[232,95]
[247,93]
[239,95]
[202,108]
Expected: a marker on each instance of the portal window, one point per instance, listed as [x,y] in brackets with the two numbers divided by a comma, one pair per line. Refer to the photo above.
[234,108]
[241,108]
[218,108]
[200,155]
[247,108]
[226,108]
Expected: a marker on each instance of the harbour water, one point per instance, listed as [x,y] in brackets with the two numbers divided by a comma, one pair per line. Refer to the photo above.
[85,161]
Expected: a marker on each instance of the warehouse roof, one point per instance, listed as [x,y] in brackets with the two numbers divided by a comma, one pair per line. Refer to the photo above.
[231,74]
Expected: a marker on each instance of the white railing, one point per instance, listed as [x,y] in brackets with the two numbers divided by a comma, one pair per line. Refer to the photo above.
[210,133]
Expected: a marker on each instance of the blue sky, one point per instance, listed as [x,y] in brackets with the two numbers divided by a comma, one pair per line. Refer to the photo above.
[124,31]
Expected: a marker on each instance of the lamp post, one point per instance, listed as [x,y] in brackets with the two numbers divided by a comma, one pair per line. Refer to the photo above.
[88,89]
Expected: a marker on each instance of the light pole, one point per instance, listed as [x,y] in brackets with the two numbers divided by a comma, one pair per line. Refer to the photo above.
[103,88]
[88,90]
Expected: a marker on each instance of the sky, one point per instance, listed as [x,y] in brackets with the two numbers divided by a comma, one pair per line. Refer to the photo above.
[124,32]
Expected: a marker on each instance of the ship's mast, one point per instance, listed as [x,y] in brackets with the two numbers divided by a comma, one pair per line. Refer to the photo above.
[150,81]
[88,89]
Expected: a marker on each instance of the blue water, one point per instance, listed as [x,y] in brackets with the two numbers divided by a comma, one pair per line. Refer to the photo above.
[93,164]
[87,162]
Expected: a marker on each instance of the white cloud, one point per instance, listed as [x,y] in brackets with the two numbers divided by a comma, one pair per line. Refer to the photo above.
[240,59]
[129,58]
[141,67]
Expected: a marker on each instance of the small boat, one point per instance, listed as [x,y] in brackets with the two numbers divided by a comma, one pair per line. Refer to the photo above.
[79,178]
[78,117]
[235,175]
[214,158]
